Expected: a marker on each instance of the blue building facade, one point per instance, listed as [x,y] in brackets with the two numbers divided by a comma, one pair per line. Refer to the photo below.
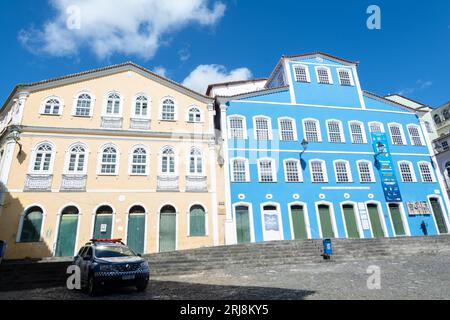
[314,156]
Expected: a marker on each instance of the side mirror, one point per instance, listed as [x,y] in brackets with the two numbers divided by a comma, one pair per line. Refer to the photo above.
[87,258]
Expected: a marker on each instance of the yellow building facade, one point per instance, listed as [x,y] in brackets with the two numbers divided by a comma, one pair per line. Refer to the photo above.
[117,152]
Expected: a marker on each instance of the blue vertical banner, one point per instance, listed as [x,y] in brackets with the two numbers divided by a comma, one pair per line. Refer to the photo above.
[384,164]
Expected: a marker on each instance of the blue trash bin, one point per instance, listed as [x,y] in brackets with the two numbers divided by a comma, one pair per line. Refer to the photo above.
[2,249]
[327,247]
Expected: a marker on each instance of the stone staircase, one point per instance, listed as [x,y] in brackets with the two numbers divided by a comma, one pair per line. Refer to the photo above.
[18,275]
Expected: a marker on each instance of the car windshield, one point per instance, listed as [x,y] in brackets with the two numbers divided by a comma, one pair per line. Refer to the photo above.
[113,252]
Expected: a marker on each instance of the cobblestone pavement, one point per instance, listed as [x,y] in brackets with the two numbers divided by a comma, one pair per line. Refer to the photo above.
[418,277]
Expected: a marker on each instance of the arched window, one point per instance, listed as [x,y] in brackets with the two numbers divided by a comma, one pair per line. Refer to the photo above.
[397,135]
[335,133]
[240,170]
[77,159]
[194,115]
[357,132]
[139,161]
[342,171]
[197,223]
[52,106]
[113,104]
[407,171]
[267,171]
[365,171]
[104,210]
[428,127]
[446,114]
[237,127]
[168,110]
[426,172]
[263,129]
[318,171]
[168,209]
[168,161]
[141,106]
[311,129]
[301,73]
[137,210]
[109,161]
[345,77]
[195,162]
[288,131]
[414,135]
[437,119]
[43,158]
[323,75]
[376,127]
[83,108]
[32,225]
[292,170]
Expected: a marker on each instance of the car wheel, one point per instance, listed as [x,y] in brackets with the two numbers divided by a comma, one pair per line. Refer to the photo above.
[142,286]
[92,287]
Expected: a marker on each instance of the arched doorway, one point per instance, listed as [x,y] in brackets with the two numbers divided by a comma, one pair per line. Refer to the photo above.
[438,215]
[271,223]
[298,222]
[350,221]
[326,225]
[103,223]
[375,220]
[136,229]
[397,221]
[32,225]
[67,233]
[167,229]
[242,224]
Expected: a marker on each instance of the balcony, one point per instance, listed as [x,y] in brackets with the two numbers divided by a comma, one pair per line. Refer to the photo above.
[140,124]
[38,183]
[196,184]
[112,122]
[73,183]
[168,184]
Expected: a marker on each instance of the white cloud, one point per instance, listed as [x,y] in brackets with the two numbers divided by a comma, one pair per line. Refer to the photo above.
[420,85]
[203,75]
[106,27]
[160,71]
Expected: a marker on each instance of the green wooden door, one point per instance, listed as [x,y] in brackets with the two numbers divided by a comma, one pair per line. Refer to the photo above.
[350,221]
[396,217]
[242,225]
[32,225]
[325,221]
[438,215]
[67,235]
[197,226]
[136,232]
[103,226]
[375,221]
[167,232]
[298,222]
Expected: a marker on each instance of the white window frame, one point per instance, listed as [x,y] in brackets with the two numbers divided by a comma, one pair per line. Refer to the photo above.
[294,128]
[34,151]
[273,167]
[189,111]
[319,131]
[175,158]
[175,111]
[269,127]
[341,130]
[100,160]
[422,140]
[330,77]
[105,105]
[247,169]
[378,123]
[188,161]
[244,126]
[75,104]
[131,163]
[363,131]
[430,167]
[133,106]
[306,68]
[411,168]
[299,170]
[44,102]
[68,156]
[347,169]
[371,171]
[324,170]
[402,133]
[350,74]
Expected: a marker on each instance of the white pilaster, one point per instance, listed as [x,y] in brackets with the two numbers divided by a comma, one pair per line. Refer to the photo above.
[213,172]
[6,163]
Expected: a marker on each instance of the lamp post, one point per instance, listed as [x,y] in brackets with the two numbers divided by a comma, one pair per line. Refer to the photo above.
[15,135]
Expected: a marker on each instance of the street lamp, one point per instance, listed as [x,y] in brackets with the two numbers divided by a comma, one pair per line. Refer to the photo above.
[15,135]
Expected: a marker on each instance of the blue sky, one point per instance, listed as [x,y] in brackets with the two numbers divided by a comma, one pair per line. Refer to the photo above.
[231,40]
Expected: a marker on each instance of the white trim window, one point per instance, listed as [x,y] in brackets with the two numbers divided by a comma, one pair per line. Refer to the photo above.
[263,128]
[318,171]
[357,132]
[109,160]
[323,75]
[77,160]
[376,127]
[195,162]
[365,171]
[311,130]
[414,135]
[52,106]
[342,171]
[237,127]
[266,170]
[240,170]
[397,134]
[113,104]
[83,107]
[141,106]
[301,73]
[426,172]
[407,171]
[345,77]
[168,112]
[292,170]
[43,159]
[194,114]
[288,129]
[139,161]
[168,161]
[335,132]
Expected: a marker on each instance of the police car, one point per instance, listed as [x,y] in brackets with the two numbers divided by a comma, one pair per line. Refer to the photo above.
[109,262]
